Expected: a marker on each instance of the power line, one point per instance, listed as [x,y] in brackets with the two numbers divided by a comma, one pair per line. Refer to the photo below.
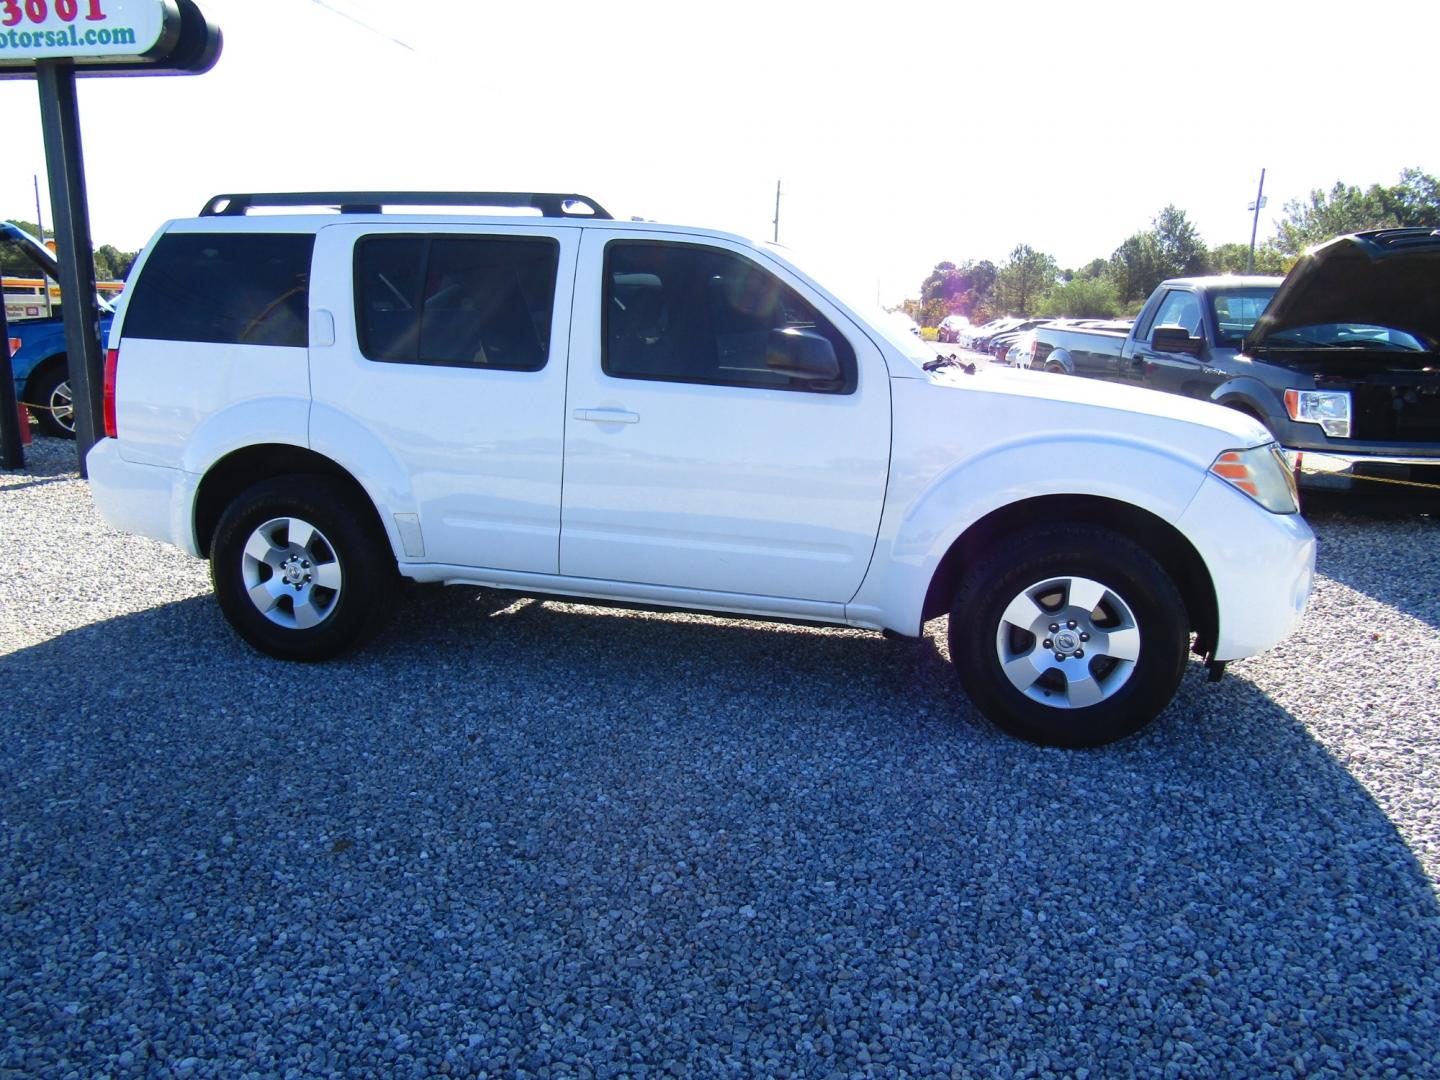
[361,23]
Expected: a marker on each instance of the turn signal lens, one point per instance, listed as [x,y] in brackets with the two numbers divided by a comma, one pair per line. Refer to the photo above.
[1262,473]
[112,362]
[15,344]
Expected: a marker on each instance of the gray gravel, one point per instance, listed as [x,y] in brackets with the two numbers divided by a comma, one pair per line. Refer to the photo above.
[548,839]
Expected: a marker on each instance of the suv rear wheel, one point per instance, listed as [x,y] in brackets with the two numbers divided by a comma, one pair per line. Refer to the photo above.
[1071,636]
[298,570]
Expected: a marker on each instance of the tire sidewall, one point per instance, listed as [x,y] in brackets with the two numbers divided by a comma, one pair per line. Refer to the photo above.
[1102,556]
[322,503]
[40,390]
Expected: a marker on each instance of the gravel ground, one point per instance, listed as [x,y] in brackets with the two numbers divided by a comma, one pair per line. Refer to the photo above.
[519,838]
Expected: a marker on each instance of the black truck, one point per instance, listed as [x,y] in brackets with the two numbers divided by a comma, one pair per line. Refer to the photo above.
[1340,359]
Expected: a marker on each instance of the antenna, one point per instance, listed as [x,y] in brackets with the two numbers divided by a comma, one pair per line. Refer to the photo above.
[777,211]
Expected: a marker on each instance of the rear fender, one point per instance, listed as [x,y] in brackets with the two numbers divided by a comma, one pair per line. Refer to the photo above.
[1062,358]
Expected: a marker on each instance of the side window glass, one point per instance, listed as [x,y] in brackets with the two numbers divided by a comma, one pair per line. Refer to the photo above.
[1180,309]
[456,301]
[226,289]
[684,313]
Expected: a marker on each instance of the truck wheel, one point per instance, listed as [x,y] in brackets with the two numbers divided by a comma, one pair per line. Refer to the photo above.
[51,391]
[299,569]
[1073,636]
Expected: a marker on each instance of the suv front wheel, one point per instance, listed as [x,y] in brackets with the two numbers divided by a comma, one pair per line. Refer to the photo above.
[297,571]
[1071,636]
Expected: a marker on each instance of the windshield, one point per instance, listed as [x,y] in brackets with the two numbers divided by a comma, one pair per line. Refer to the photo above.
[1346,336]
[1237,311]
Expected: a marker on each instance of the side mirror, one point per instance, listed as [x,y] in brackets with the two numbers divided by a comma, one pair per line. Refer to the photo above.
[802,354]
[1176,339]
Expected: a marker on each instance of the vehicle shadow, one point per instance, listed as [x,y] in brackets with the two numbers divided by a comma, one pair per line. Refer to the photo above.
[1379,561]
[711,840]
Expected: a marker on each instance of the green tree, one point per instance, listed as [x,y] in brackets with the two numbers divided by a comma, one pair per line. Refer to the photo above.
[1234,258]
[1025,279]
[1081,298]
[1179,251]
[1345,208]
[1134,269]
[112,264]
[1414,201]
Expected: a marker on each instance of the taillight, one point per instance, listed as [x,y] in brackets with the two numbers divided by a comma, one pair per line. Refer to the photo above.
[112,361]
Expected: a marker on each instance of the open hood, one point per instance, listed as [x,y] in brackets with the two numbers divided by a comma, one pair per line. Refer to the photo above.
[1390,278]
[43,258]
[36,252]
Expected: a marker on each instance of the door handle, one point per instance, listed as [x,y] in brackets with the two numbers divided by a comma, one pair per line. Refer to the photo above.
[607,416]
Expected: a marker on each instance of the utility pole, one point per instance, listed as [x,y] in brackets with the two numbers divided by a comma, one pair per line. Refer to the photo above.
[1257,205]
[777,211]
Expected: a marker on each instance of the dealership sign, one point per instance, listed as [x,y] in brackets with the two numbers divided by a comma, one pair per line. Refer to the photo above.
[85,30]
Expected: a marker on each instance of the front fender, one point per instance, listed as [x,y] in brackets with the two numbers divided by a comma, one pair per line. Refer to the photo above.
[1249,394]
[918,531]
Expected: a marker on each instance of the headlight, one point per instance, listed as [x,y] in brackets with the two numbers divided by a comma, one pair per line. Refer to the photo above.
[1328,408]
[1262,473]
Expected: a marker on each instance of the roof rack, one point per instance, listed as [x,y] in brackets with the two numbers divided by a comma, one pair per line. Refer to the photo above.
[374,202]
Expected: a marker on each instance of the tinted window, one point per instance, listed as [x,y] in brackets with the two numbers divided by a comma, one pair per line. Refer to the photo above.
[230,288]
[694,314]
[458,301]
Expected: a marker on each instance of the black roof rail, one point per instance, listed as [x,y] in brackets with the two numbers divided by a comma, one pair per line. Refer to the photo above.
[373,202]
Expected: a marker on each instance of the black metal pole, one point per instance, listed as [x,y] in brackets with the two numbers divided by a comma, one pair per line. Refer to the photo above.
[12,450]
[69,209]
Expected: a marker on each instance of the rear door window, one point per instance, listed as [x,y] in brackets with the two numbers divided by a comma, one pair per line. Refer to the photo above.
[224,288]
[456,301]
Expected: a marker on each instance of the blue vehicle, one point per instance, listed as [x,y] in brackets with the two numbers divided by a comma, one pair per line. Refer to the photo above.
[42,376]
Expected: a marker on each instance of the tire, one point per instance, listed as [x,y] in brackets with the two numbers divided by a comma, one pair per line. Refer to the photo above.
[51,390]
[300,569]
[1124,653]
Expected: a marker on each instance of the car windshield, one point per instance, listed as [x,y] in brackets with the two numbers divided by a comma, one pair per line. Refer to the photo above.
[1237,311]
[1346,336]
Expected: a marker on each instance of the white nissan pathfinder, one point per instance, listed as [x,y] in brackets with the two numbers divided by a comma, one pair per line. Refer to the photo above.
[370,385]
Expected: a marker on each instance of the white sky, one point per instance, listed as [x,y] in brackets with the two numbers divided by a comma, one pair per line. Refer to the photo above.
[905,133]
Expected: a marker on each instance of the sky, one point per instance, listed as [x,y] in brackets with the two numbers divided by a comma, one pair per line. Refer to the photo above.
[903,134]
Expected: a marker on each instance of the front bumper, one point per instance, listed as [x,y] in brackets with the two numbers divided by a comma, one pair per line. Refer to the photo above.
[1325,470]
[1262,566]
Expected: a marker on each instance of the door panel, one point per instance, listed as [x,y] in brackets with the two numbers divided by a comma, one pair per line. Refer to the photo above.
[752,489]
[450,401]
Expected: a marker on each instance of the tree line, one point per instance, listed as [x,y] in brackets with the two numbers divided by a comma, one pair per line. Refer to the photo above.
[111,264]
[1030,282]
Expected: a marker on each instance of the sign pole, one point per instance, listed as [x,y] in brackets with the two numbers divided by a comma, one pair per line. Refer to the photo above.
[60,121]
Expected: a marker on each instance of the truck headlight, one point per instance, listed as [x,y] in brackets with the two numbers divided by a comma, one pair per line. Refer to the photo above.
[1328,408]
[1262,473]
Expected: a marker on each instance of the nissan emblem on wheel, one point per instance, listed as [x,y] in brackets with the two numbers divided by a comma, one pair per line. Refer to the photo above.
[322,403]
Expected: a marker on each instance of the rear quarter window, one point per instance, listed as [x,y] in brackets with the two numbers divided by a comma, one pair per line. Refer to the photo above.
[225,288]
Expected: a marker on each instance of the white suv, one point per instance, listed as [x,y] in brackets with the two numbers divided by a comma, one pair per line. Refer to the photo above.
[563,403]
